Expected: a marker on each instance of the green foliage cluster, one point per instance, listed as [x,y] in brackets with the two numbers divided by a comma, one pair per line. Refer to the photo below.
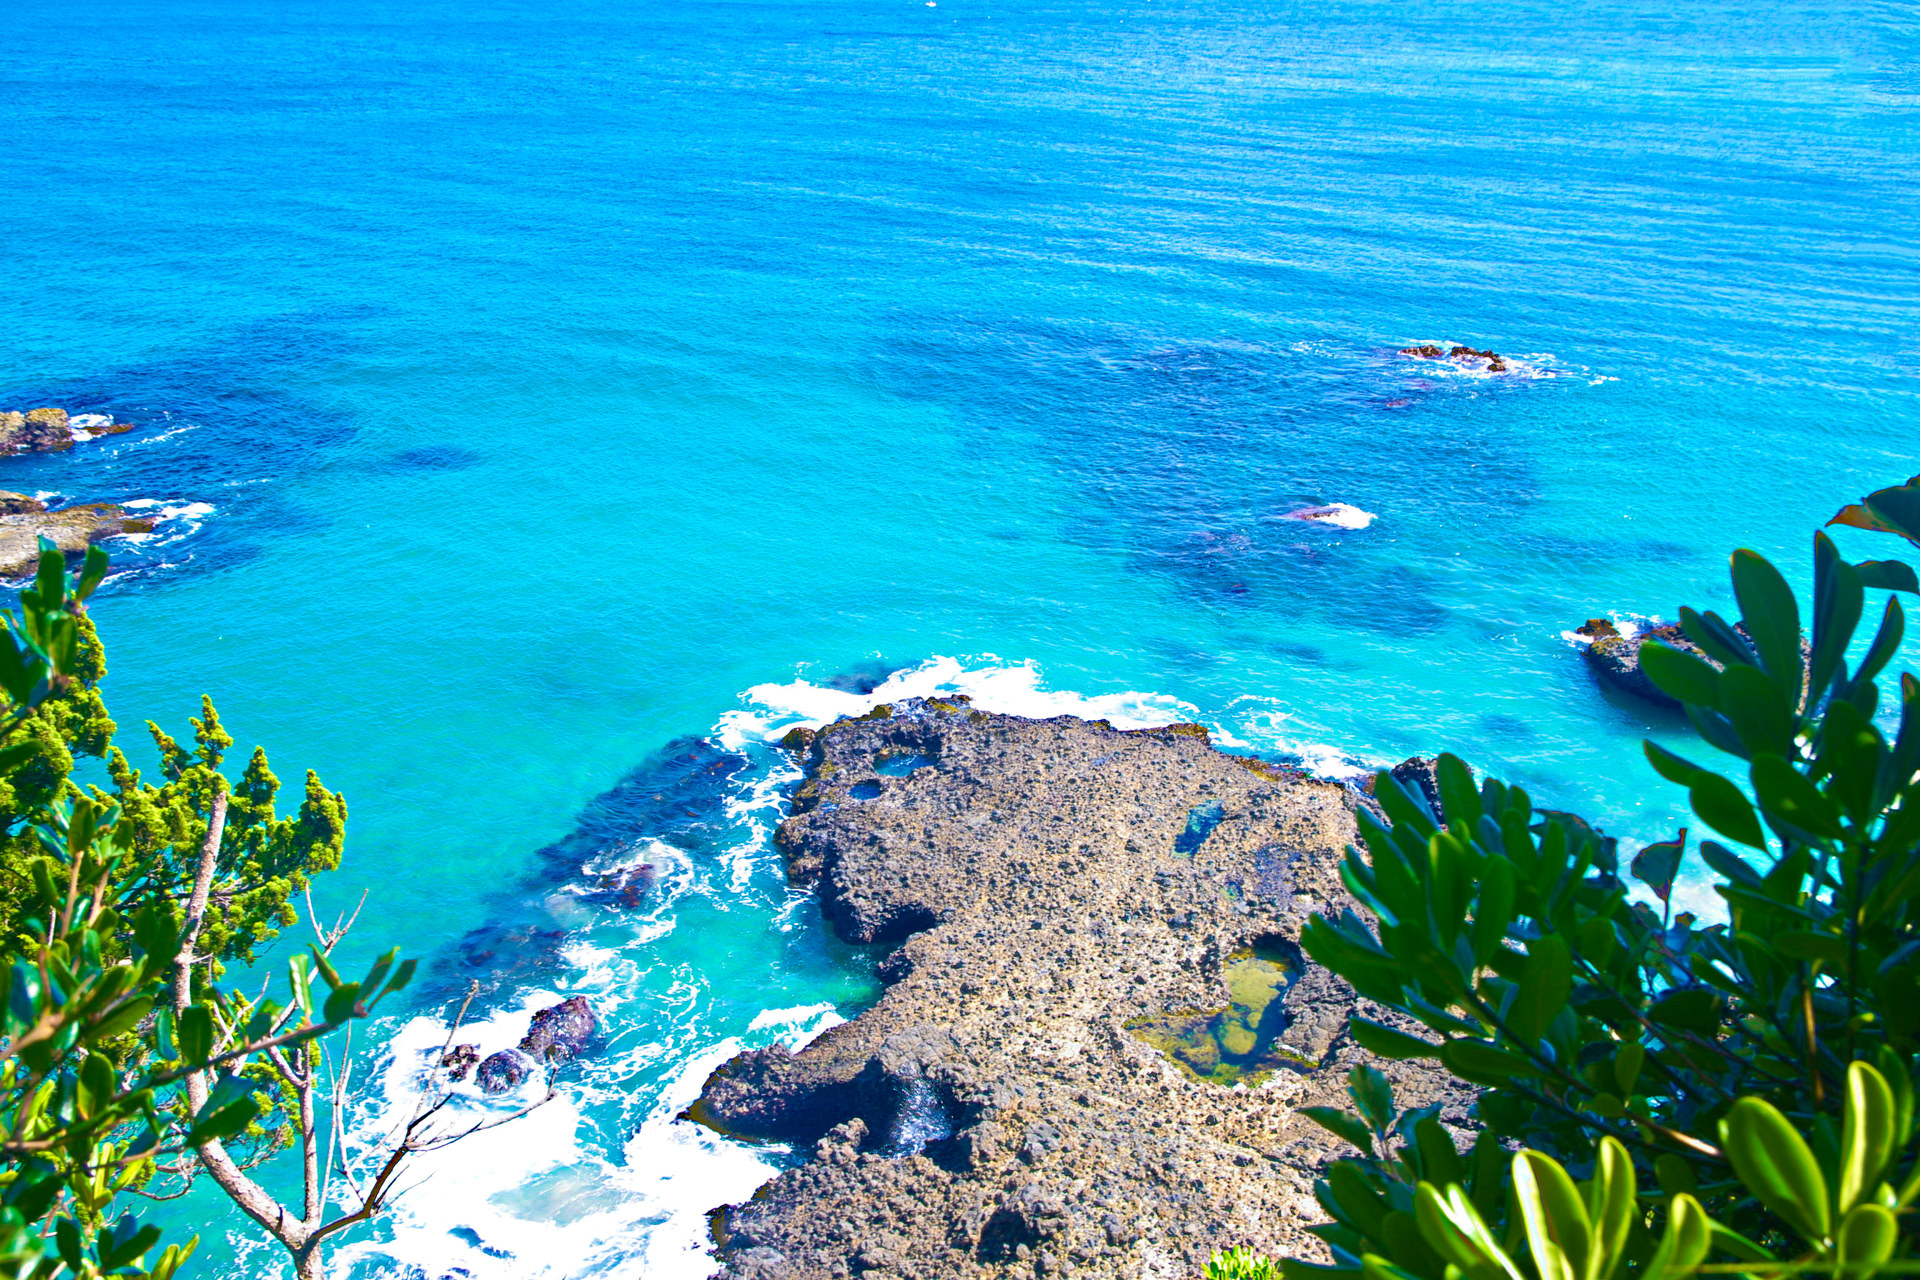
[118,1052]
[1660,1096]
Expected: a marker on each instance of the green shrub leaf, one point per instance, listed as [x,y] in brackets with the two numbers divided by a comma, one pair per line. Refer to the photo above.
[1774,1162]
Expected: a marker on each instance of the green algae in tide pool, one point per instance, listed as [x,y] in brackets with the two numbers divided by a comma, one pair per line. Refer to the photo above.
[1237,1044]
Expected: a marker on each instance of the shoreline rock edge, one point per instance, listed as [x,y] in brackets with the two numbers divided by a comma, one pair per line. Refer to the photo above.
[1041,885]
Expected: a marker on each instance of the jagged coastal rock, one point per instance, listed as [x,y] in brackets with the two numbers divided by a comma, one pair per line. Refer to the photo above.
[1097,1028]
[557,1034]
[25,520]
[1428,351]
[49,430]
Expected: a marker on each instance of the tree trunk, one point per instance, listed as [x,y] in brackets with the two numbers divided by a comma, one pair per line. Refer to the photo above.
[308,1264]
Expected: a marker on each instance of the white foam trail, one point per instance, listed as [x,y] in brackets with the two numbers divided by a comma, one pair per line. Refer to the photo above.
[535,1199]
[991,684]
[1628,625]
[173,519]
[1338,515]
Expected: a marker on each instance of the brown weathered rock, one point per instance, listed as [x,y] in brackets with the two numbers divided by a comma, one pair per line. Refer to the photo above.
[46,430]
[73,530]
[14,504]
[1045,883]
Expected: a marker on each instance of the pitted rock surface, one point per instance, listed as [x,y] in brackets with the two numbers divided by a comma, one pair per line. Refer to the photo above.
[1030,880]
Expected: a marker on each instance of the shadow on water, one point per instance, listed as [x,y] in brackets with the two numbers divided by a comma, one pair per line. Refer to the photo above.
[211,425]
[673,805]
[1187,454]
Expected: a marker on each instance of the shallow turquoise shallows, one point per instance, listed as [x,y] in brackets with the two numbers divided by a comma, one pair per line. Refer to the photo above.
[546,402]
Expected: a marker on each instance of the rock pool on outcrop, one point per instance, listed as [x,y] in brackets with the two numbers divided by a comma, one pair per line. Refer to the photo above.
[1240,1043]
[1044,883]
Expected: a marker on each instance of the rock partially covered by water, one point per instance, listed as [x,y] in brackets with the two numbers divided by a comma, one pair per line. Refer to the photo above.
[460,1059]
[557,1034]
[1061,896]
[49,430]
[1614,656]
[24,521]
[1427,351]
[504,1070]
[561,1033]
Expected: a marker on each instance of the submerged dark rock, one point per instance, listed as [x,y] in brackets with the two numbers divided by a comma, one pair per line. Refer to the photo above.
[556,1035]
[1048,883]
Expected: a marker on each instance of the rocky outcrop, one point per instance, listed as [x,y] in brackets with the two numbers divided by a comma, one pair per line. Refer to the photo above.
[24,521]
[1051,890]
[1427,351]
[1614,656]
[556,1035]
[49,430]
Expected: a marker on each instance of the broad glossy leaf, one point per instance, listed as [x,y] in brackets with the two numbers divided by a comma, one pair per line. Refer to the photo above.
[1452,1224]
[1559,1233]
[1356,1200]
[1626,1066]
[193,1032]
[1759,709]
[1372,1094]
[342,1003]
[1771,613]
[1711,632]
[1343,1125]
[1493,914]
[1693,1009]
[1811,944]
[1459,797]
[1680,674]
[1728,863]
[1611,1208]
[1545,984]
[1673,768]
[1775,1163]
[1887,575]
[1440,1160]
[1838,600]
[1867,1236]
[1786,794]
[1656,866]
[1897,509]
[1868,1138]
[1389,1043]
[1722,807]
[1688,1239]
[1478,1062]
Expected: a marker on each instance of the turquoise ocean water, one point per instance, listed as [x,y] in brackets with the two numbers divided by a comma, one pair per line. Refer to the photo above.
[549,402]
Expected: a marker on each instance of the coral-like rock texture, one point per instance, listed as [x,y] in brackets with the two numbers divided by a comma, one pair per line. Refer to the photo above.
[49,430]
[1051,889]
[24,521]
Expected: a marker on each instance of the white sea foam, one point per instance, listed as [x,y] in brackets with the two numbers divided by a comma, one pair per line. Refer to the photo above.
[173,519]
[1627,624]
[1337,515]
[537,1199]
[992,684]
[1529,366]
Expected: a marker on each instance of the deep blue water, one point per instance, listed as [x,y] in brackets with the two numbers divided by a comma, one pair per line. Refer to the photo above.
[534,381]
